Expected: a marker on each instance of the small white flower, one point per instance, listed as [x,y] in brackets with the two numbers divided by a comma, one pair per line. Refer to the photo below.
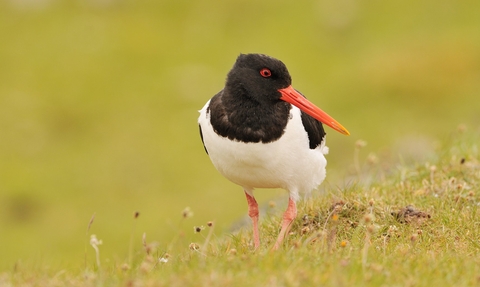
[95,242]
[198,229]
[186,213]
[163,260]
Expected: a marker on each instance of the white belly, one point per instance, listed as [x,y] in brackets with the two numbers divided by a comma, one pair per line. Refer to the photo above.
[286,163]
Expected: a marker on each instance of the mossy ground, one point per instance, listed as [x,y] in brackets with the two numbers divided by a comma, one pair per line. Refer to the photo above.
[414,225]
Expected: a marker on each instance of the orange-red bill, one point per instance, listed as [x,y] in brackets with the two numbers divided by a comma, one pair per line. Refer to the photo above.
[290,95]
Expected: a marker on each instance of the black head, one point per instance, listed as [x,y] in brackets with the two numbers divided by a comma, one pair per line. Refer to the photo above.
[258,77]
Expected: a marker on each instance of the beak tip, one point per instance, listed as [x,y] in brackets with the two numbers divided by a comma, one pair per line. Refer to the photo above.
[338,127]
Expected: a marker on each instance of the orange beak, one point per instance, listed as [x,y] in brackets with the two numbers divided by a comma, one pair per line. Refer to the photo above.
[290,95]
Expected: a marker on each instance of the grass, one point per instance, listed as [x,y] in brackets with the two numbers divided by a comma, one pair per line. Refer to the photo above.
[394,225]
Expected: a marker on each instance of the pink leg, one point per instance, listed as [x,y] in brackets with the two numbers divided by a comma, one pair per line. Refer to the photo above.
[288,218]
[253,213]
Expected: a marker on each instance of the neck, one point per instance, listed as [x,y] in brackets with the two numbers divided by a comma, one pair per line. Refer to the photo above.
[243,118]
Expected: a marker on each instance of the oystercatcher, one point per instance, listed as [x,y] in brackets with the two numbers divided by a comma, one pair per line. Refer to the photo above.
[262,133]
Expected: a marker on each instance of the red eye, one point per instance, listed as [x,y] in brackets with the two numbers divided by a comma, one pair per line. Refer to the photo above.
[265,72]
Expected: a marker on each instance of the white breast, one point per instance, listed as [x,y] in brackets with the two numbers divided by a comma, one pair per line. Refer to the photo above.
[286,163]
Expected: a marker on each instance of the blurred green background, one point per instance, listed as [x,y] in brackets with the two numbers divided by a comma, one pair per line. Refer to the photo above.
[99,101]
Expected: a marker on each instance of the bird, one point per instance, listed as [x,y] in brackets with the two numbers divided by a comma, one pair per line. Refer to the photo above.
[260,132]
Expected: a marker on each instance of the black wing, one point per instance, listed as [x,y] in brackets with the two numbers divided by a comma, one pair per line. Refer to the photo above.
[314,129]
[201,136]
